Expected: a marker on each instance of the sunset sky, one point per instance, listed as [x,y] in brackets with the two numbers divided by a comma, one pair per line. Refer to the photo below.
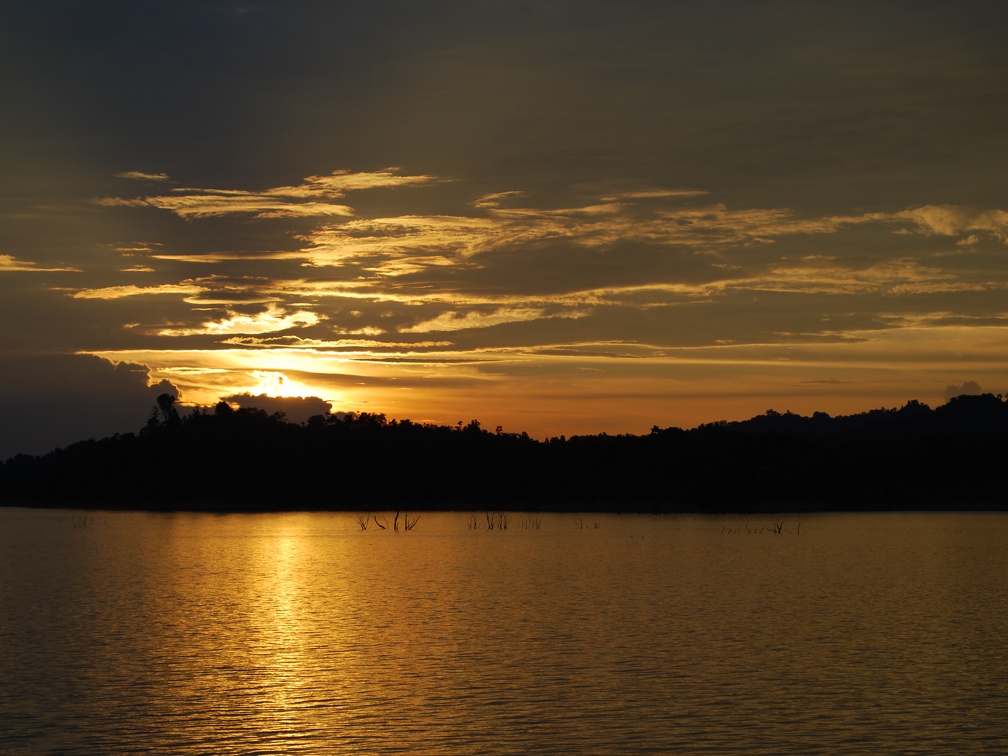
[558,217]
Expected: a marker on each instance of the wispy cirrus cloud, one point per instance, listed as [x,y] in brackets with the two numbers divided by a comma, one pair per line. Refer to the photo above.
[214,258]
[11,264]
[635,265]
[215,203]
[661,194]
[341,181]
[393,245]
[954,220]
[271,320]
[494,199]
[439,239]
[416,246]
[311,198]
[142,176]
[129,290]
[829,275]
[458,321]
[297,342]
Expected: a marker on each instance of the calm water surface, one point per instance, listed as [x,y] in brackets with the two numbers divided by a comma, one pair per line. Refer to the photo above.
[613,634]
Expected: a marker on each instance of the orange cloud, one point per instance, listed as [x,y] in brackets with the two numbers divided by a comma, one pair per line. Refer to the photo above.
[455,321]
[952,220]
[142,176]
[10,264]
[119,292]
[270,320]
[312,198]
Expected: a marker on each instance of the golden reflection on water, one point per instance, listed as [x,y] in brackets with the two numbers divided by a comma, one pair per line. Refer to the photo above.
[287,633]
[281,629]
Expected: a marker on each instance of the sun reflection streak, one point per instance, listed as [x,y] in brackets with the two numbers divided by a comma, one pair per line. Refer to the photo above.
[279,629]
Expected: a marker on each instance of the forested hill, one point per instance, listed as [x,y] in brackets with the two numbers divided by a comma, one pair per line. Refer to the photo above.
[950,457]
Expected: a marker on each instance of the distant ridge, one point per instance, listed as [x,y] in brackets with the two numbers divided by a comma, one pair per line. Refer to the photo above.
[915,457]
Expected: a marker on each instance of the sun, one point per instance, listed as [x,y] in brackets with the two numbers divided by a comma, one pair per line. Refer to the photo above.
[272,383]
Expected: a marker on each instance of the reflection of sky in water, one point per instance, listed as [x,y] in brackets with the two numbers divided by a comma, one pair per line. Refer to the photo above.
[238,633]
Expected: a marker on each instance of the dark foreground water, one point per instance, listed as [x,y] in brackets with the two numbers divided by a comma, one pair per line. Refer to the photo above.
[605,634]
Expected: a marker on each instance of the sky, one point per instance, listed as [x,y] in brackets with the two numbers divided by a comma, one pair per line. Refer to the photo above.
[555,217]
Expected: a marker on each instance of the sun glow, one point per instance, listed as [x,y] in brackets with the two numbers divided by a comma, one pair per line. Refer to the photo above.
[277,384]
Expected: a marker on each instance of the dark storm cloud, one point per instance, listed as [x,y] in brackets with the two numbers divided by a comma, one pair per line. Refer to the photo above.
[295,409]
[56,400]
[967,388]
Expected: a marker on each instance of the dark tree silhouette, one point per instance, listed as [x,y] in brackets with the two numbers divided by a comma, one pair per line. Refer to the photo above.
[166,405]
[913,457]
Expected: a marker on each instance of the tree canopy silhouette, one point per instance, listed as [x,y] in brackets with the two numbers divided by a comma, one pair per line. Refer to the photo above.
[913,457]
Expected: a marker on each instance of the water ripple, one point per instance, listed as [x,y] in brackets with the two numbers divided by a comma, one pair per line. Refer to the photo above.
[298,634]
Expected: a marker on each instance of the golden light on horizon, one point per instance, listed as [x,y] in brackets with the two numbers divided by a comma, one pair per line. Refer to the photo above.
[593,387]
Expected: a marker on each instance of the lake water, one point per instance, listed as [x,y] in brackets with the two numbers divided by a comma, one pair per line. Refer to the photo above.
[183,633]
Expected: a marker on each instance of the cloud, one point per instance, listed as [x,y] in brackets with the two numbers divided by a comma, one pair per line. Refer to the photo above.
[662,194]
[297,408]
[952,220]
[271,320]
[454,321]
[284,342]
[968,387]
[120,292]
[625,263]
[471,272]
[392,246]
[54,401]
[442,238]
[141,176]
[129,251]
[209,205]
[832,276]
[494,199]
[311,198]
[342,181]
[215,258]
[10,264]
